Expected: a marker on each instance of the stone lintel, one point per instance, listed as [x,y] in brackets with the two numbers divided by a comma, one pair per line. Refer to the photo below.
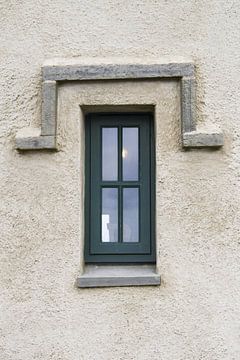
[54,73]
[131,71]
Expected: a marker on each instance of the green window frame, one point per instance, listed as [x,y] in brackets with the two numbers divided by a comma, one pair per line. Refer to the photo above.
[142,250]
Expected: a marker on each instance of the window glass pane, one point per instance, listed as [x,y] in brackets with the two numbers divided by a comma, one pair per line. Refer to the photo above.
[109,153]
[109,215]
[130,153]
[130,215]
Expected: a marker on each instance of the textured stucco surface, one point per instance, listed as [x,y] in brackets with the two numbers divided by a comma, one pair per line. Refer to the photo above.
[195,314]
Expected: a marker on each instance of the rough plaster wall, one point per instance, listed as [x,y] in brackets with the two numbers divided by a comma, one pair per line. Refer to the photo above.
[195,314]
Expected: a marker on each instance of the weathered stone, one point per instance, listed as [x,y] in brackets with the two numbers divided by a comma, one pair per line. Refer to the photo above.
[188,104]
[198,139]
[49,108]
[131,71]
[184,71]
[36,143]
[123,275]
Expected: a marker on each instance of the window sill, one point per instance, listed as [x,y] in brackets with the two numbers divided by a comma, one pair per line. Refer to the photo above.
[118,275]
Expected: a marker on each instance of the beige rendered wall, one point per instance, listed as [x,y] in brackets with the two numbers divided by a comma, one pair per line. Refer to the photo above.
[195,313]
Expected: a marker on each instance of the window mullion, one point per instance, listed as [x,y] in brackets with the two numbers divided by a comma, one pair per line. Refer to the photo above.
[119,153]
[120,205]
[120,215]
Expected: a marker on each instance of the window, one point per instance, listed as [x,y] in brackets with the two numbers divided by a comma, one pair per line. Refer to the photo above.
[119,188]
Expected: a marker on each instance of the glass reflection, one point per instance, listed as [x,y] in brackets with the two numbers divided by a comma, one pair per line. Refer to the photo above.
[109,215]
[109,154]
[130,215]
[130,153]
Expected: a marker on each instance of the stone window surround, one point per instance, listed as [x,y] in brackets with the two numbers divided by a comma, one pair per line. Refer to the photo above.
[45,137]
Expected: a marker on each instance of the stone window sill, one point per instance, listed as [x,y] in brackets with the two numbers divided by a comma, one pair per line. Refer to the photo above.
[118,275]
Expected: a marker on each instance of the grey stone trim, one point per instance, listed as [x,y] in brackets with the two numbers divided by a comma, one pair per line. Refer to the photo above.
[104,72]
[121,275]
[197,139]
[35,142]
[188,104]
[44,138]
[49,108]
[55,73]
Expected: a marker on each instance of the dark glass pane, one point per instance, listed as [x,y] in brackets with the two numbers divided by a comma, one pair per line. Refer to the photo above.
[130,215]
[109,154]
[109,215]
[130,153]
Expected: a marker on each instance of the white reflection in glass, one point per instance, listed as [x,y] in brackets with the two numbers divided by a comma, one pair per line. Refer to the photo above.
[109,215]
[109,153]
[130,153]
[130,215]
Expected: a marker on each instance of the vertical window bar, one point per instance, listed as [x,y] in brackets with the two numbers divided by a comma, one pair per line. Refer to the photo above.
[139,155]
[120,212]
[120,215]
[120,153]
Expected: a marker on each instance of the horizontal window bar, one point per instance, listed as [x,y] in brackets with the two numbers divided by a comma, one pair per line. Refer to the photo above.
[120,183]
